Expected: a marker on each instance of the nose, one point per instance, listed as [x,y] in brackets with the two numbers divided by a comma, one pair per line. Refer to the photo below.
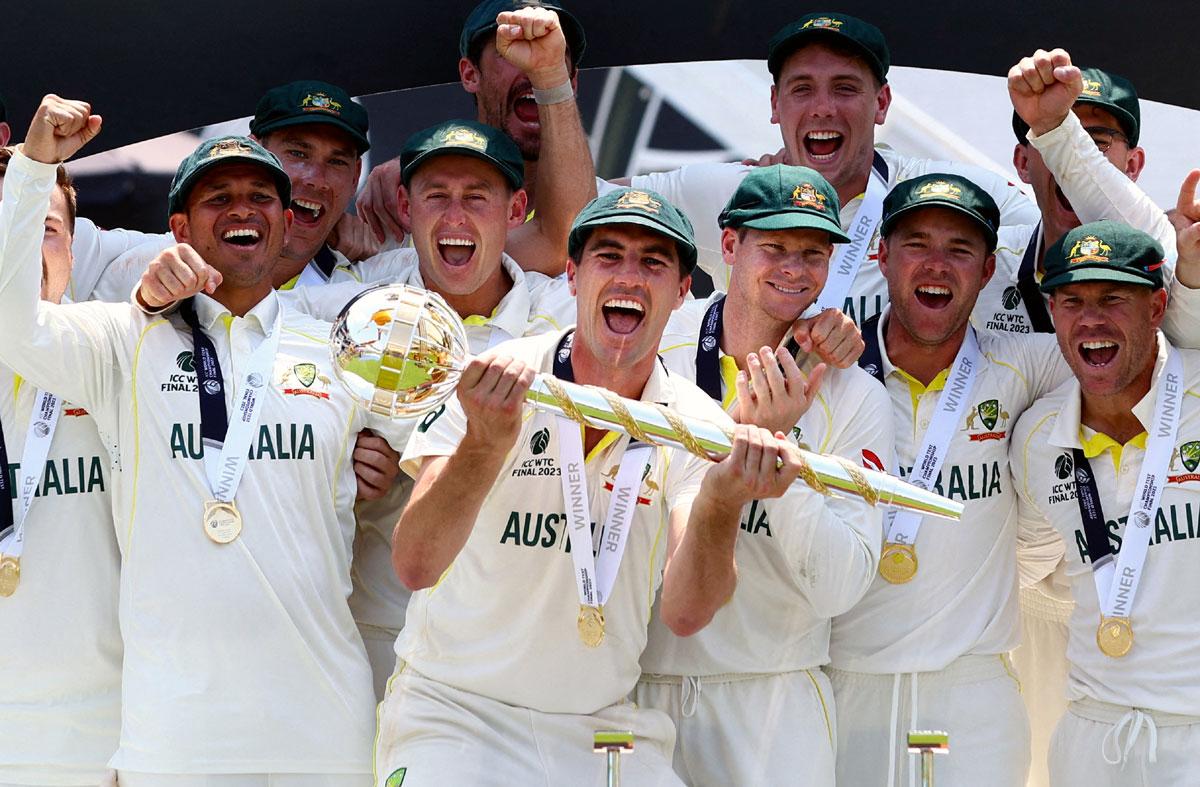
[822,105]
[242,207]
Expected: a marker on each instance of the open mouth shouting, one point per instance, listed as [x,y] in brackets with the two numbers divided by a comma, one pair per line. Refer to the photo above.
[1098,353]
[307,211]
[622,315]
[934,296]
[823,145]
[456,251]
[520,98]
[242,237]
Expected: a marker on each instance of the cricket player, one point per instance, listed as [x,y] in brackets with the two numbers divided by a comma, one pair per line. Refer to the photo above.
[60,700]
[750,703]
[532,100]
[1104,471]
[927,646]
[507,665]
[242,664]
[830,91]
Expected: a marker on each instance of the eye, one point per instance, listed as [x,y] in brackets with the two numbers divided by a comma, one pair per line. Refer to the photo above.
[300,154]
[262,196]
[338,162]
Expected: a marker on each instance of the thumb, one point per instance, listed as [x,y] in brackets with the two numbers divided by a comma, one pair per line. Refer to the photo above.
[214,280]
[814,381]
[1070,76]
[802,333]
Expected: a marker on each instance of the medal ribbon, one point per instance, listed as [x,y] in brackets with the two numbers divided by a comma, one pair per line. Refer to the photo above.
[227,446]
[595,575]
[1116,585]
[708,350]
[1031,296]
[42,424]
[936,442]
[848,258]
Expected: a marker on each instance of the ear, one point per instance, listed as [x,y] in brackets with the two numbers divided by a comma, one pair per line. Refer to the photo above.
[685,286]
[882,102]
[775,104]
[571,271]
[518,209]
[989,268]
[1158,307]
[1021,162]
[180,228]
[468,75]
[404,204]
[883,255]
[1135,163]
[729,241]
[5,134]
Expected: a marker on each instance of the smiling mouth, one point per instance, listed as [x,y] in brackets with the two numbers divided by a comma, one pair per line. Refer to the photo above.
[622,315]
[933,296]
[787,290]
[823,145]
[244,237]
[305,211]
[1098,353]
[456,251]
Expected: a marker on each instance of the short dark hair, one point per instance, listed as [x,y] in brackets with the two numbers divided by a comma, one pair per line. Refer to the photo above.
[62,179]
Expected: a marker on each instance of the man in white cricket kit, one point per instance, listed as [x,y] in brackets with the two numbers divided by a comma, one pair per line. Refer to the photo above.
[233,506]
[750,703]
[1104,467]
[507,664]
[830,91]
[926,648]
[60,699]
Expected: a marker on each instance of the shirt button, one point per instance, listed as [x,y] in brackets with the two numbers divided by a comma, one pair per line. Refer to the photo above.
[924,423]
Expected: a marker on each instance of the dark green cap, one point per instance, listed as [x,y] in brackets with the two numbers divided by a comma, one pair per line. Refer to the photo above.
[309,101]
[782,197]
[1110,92]
[942,190]
[862,36]
[644,208]
[219,151]
[482,22]
[463,138]
[1104,251]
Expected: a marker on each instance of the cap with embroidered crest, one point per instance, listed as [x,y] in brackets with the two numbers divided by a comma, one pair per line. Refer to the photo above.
[218,152]
[463,138]
[1113,93]
[864,37]
[310,101]
[782,197]
[1104,251]
[642,207]
[482,22]
[942,190]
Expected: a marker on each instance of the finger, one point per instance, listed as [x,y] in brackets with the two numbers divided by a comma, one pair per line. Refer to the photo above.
[758,379]
[776,383]
[793,377]
[754,453]
[1059,58]
[1186,204]
[1016,80]
[1045,67]
[814,382]
[745,395]
[369,473]
[473,372]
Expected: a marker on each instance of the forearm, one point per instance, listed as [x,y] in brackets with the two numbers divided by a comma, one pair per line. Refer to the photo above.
[438,519]
[701,573]
[27,188]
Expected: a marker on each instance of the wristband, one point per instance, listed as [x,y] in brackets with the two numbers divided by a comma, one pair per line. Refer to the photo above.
[555,95]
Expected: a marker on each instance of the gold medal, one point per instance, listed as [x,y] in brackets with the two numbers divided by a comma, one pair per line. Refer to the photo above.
[222,521]
[591,626]
[1114,636]
[898,563]
[10,575]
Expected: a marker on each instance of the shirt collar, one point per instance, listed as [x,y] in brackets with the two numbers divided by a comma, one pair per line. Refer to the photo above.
[1066,431]
[511,315]
[208,311]
[659,387]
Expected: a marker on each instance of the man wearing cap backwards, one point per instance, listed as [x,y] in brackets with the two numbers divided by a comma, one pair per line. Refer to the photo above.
[242,664]
[926,647]
[830,91]
[523,83]
[750,703]
[1104,470]
[506,664]
[318,134]
[1077,146]
[60,701]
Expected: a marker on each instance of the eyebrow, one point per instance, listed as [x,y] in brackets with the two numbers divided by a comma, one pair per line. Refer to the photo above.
[224,184]
[478,185]
[662,249]
[301,143]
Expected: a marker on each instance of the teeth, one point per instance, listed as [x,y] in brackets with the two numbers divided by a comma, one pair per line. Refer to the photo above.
[314,207]
[456,242]
[1098,345]
[783,289]
[624,303]
[246,233]
[824,135]
[929,289]
[528,95]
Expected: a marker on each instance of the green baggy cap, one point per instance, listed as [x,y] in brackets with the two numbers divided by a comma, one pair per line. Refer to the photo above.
[635,206]
[1104,251]
[782,197]
[220,151]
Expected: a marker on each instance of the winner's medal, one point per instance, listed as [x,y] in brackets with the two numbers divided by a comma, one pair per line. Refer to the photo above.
[222,521]
[898,563]
[1114,636]
[591,626]
[10,575]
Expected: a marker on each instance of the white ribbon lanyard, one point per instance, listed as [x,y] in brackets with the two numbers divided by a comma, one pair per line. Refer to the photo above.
[848,258]
[595,575]
[936,444]
[42,424]
[1117,581]
[225,463]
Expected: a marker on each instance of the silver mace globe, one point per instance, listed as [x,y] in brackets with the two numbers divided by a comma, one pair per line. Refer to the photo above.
[400,350]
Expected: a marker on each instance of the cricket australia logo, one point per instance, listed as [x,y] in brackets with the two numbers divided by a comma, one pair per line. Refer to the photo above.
[1187,455]
[806,196]
[304,379]
[320,102]
[645,494]
[990,415]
